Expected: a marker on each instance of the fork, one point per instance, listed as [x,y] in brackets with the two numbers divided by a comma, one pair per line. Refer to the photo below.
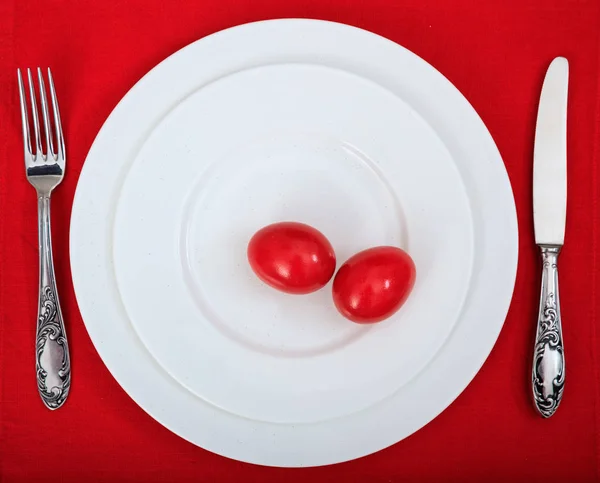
[45,171]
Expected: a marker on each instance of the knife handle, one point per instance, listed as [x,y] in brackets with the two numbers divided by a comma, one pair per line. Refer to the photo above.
[548,373]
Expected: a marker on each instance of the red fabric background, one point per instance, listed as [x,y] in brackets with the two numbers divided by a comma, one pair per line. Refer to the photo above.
[495,52]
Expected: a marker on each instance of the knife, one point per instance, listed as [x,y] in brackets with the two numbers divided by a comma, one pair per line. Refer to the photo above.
[549,216]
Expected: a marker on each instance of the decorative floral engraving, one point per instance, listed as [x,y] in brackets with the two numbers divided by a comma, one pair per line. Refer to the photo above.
[52,352]
[548,358]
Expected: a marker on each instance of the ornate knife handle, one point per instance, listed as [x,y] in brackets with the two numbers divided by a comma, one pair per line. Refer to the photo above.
[548,375]
[53,366]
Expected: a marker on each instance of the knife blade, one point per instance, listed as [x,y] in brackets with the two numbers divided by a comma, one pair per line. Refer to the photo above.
[550,157]
[549,216]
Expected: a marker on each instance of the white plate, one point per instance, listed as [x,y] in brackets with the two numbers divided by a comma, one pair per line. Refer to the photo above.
[288,142]
[299,120]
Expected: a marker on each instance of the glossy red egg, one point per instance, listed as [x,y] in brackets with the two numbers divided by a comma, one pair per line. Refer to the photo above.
[373,284]
[292,257]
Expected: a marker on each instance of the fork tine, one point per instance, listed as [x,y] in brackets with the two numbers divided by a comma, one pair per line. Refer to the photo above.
[45,115]
[34,116]
[60,140]
[24,121]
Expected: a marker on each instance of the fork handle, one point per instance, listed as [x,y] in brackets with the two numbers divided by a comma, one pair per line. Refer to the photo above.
[53,366]
[548,375]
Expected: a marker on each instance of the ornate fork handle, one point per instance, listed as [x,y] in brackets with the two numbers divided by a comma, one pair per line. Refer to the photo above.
[548,375]
[53,366]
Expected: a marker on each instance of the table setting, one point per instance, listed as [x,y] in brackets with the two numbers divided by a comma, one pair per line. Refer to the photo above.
[280,241]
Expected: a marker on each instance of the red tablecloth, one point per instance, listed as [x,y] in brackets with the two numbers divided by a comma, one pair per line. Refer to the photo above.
[495,52]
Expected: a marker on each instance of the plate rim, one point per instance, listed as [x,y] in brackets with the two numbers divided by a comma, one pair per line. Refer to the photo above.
[79,266]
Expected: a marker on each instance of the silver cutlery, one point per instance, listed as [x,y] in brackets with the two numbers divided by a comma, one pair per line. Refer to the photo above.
[549,214]
[45,171]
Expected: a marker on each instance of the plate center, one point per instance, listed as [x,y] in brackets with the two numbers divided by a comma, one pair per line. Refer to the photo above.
[306,177]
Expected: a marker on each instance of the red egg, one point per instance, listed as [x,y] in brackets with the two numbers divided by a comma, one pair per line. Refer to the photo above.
[292,257]
[373,284]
